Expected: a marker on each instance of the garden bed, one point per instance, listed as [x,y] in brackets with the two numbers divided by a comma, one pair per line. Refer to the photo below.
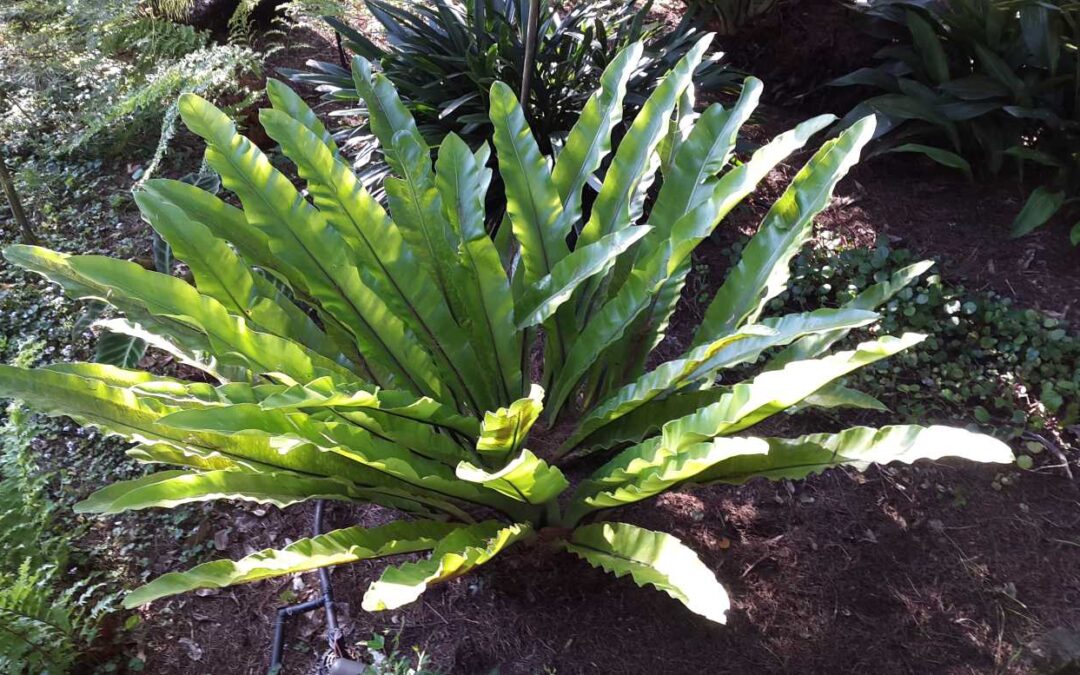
[940,567]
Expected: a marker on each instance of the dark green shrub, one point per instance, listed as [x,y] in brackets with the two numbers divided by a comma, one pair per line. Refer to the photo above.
[444,56]
[729,16]
[980,84]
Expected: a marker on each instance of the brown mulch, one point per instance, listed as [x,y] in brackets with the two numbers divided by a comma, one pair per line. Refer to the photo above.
[900,570]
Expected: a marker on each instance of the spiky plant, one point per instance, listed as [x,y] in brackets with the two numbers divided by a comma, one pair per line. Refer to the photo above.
[354,354]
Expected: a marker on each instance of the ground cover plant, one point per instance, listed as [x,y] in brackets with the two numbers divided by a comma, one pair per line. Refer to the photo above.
[1015,371]
[979,85]
[393,358]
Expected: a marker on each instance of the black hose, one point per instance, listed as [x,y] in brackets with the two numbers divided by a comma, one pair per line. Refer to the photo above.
[325,600]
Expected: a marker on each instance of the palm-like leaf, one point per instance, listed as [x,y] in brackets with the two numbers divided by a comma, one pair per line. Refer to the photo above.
[389,358]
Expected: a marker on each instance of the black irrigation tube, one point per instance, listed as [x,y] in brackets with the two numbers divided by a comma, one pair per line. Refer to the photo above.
[325,600]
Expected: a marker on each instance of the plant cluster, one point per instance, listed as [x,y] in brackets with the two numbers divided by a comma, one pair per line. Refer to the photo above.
[979,84]
[730,16]
[443,56]
[96,79]
[1017,369]
[45,619]
[402,357]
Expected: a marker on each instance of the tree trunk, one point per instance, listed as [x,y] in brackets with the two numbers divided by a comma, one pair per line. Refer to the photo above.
[23,224]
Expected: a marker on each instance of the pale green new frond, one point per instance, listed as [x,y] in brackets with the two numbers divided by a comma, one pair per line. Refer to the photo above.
[504,430]
[526,478]
[456,554]
[858,447]
[654,559]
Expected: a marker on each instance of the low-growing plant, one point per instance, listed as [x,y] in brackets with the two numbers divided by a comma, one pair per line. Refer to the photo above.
[45,620]
[393,358]
[977,84]
[1015,370]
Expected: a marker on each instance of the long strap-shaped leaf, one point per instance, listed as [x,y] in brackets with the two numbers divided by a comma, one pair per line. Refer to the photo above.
[225,220]
[462,179]
[858,447]
[203,459]
[633,167]
[417,208]
[325,393]
[713,200]
[180,310]
[229,335]
[532,200]
[611,212]
[283,98]
[546,295]
[414,200]
[654,559]
[638,294]
[333,548]
[315,256]
[871,298]
[743,346]
[56,267]
[459,552]
[167,489]
[646,421]
[749,403]
[589,140]
[776,390]
[221,274]
[736,460]
[602,330]
[121,411]
[396,463]
[387,114]
[388,261]
[762,272]
[703,154]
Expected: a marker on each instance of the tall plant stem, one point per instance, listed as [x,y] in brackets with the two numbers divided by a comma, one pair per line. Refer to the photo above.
[530,52]
[28,235]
